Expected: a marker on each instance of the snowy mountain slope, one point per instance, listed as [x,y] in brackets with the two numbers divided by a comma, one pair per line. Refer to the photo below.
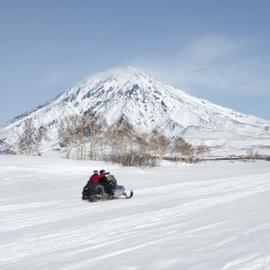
[212,215]
[146,104]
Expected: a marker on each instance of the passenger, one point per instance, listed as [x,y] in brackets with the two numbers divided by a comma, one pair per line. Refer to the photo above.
[95,179]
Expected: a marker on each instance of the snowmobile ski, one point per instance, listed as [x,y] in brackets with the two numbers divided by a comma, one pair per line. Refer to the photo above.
[130,194]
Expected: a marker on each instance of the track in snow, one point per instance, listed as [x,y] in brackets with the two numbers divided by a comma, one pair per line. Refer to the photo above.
[202,216]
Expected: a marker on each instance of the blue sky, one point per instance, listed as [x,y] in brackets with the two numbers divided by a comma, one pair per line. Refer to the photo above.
[218,50]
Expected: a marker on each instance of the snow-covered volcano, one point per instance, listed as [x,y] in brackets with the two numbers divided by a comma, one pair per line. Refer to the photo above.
[130,95]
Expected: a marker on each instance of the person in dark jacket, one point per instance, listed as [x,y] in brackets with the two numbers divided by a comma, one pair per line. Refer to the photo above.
[103,180]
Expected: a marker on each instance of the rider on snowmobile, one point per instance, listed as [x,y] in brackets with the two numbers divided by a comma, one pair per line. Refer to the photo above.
[94,178]
[94,182]
[103,180]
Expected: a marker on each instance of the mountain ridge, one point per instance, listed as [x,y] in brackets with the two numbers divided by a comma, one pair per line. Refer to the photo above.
[145,103]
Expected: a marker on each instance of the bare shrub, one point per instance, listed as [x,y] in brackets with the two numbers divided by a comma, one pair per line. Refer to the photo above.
[134,159]
[30,139]
[201,151]
[68,133]
[26,139]
[252,155]
[81,134]
[158,144]
[93,139]
[6,148]
[183,151]
[92,128]
[39,135]
[122,139]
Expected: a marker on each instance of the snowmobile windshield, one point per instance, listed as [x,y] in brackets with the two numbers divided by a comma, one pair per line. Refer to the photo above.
[111,177]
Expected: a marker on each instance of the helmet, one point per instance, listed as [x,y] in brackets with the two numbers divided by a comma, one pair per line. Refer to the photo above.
[95,172]
[102,171]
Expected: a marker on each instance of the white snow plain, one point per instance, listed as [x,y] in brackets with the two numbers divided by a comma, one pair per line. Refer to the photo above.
[206,216]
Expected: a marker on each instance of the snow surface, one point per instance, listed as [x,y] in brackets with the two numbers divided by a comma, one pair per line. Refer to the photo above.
[205,216]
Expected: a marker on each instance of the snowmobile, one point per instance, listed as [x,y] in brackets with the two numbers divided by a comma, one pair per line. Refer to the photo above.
[112,190]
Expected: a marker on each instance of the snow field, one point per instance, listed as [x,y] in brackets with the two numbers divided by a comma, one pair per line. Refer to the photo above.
[212,215]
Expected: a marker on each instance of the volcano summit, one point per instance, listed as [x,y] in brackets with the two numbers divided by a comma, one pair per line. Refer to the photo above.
[147,104]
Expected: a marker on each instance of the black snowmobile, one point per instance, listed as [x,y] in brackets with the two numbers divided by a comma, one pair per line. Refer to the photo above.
[110,190]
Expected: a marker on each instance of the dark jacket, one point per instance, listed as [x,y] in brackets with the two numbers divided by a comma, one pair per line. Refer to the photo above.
[105,183]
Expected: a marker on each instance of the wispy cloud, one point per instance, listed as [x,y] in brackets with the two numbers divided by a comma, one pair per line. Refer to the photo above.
[53,78]
[215,64]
